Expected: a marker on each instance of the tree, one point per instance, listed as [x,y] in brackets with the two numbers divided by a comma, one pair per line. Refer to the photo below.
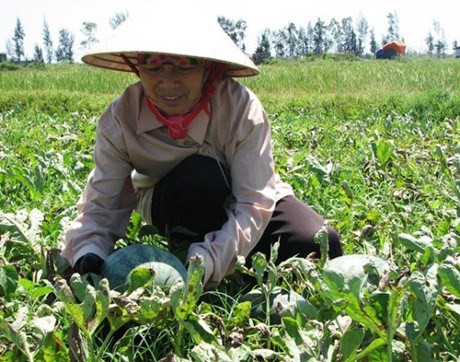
[373,43]
[429,41]
[280,43]
[9,49]
[47,42]
[64,50]
[38,54]
[319,37]
[118,19]
[335,32]
[361,29]
[440,43]
[348,41]
[263,50]
[236,30]
[292,39]
[393,28]
[305,41]
[88,30]
[18,40]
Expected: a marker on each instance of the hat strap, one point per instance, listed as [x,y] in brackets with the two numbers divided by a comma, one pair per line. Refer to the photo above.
[130,64]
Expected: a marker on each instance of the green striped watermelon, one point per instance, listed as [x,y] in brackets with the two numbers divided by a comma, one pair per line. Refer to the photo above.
[119,265]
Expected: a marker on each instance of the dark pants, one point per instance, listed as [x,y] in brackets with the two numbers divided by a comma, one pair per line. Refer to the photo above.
[189,202]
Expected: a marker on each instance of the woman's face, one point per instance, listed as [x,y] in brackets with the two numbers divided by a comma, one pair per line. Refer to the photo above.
[173,84]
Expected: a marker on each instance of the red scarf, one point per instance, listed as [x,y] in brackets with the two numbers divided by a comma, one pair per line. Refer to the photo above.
[178,124]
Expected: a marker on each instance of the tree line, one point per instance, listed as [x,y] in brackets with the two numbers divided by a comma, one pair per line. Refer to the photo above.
[347,36]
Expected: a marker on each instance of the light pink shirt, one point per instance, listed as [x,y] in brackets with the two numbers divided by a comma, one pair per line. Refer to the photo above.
[133,151]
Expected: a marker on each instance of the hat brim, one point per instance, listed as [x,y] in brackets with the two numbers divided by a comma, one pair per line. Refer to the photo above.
[184,36]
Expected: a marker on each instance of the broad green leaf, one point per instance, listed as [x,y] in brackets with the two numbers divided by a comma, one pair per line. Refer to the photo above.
[450,277]
[15,336]
[292,328]
[78,287]
[375,344]
[453,307]
[8,281]
[199,330]
[184,303]
[43,326]
[242,353]
[322,239]
[102,304]
[52,349]
[321,172]
[140,277]
[384,150]
[150,308]
[350,343]
[415,244]
[424,290]
[9,224]
[259,264]
[347,277]
[394,310]
[241,314]
[209,352]
[73,309]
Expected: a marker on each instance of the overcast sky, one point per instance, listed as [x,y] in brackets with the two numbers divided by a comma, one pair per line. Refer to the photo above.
[415,17]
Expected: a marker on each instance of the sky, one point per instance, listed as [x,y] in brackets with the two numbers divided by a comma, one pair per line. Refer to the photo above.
[415,17]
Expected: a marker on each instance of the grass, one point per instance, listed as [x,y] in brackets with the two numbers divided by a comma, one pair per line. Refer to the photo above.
[374,146]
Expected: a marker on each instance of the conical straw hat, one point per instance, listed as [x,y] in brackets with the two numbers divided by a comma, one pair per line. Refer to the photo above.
[170,31]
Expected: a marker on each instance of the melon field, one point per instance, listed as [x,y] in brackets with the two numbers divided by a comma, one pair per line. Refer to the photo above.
[374,146]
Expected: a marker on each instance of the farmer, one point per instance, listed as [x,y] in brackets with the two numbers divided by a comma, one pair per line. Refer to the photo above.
[189,148]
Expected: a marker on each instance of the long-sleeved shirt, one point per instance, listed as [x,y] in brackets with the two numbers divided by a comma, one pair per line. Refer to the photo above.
[133,151]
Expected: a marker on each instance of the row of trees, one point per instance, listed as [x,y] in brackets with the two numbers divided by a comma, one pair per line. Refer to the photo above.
[64,50]
[292,41]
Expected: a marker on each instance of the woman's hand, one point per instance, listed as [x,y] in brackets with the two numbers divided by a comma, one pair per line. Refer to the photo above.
[89,263]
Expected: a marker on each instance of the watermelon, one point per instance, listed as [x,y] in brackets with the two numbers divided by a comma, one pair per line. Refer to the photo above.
[119,265]
[283,302]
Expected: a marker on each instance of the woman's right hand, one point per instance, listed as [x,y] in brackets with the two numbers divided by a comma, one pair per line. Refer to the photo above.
[89,263]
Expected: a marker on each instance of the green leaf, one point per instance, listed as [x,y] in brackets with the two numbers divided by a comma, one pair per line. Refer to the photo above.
[259,264]
[322,238]
[102,304]
[350,343]
[140,277]
[9,224]
[74,310]
[209,352]
[43,326]
[8,281]
[241,314]
[347,277]
[17,337]
[199,330]
[412,243]
[450,277]
[183,303]
[292,328]
[375,344]
[384,150]
[52,350]
[424,290]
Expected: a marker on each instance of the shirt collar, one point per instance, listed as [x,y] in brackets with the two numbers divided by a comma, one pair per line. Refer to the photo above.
[148,122]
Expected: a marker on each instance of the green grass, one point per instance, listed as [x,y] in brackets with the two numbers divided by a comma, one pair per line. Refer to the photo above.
[374,146]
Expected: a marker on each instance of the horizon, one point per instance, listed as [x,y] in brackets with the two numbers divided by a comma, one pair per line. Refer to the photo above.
[71,15]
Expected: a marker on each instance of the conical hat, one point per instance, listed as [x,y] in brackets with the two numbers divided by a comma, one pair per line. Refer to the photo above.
[170,31]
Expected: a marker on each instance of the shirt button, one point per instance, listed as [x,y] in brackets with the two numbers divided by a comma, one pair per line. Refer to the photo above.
[204,150]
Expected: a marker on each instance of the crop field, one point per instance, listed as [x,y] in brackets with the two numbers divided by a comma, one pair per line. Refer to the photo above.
[374,146]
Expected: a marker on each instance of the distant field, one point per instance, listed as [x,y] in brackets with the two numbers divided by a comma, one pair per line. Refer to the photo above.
[372,145]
